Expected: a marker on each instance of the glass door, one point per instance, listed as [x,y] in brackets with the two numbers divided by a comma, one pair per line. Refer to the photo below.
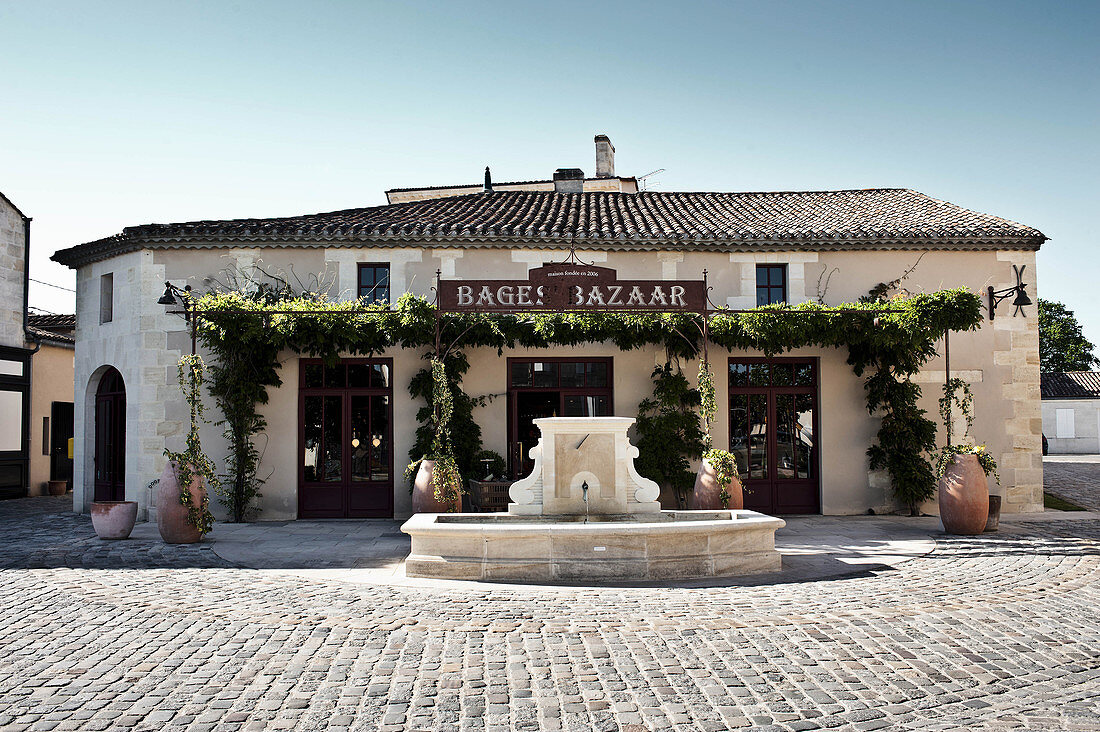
[551,387]
[773,427]
[346,440]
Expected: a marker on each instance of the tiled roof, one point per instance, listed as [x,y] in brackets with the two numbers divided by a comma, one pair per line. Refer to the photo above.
[1070,385]
[52,321]
[48,335]
[891,218]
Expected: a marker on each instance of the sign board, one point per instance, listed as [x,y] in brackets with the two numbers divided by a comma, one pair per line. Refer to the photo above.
[568,286]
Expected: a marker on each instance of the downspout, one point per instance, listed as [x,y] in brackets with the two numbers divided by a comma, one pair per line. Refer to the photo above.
[27,288]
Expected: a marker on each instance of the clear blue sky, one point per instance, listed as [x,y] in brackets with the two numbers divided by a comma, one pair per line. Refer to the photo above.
[116,114]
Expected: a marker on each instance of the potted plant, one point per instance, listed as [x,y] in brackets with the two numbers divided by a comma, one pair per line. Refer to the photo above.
[716,484]
[114,519]
[183,506]
[962,469]
[436,482]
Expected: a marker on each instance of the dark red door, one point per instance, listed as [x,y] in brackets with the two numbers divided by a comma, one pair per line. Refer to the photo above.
[773,433]
[110,438]
[346,439]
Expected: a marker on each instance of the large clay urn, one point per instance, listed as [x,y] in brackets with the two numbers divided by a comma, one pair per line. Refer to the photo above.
[707,495]
[424,500]
[171,514]
[114,519]
[964,496]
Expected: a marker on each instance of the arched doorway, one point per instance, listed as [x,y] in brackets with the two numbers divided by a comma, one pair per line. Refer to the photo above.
[110,438]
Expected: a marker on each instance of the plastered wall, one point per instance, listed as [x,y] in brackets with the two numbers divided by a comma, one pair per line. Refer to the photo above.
[999,360]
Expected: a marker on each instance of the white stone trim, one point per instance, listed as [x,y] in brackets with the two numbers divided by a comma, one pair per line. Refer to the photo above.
[796,275]
[346,261]
[669,262]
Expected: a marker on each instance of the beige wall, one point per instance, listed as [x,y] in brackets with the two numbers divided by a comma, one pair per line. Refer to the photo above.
[51,381]
[12,271]
[1000,360]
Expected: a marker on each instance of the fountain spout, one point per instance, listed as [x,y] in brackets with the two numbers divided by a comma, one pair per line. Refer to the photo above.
[584,495]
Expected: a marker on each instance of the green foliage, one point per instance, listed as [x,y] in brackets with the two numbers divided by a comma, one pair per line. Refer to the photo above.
[490,462]
[193,461]
[948,453]
[708,407]
[1062,344]
[725,470]
[887,347]
[669,432]
[446,404]
[957,392]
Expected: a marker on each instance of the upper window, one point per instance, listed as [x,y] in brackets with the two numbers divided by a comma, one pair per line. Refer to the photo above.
[374,282]
[106,298]
[771,284]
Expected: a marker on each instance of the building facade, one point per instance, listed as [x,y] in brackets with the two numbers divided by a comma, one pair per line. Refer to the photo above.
[826,246]
[1071,412]
[15,365]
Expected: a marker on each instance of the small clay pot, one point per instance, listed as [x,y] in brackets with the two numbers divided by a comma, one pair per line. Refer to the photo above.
[423,498]
[994,520]
[964,497]
[114,519]
[58,487]
[171,514]
[707,495]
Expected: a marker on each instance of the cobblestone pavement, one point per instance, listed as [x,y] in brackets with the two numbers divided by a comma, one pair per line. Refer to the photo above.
[996,632]
[1076,478]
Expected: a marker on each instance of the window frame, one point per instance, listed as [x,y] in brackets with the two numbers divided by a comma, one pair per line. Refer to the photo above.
[360,266]
[769,288]
[106,298]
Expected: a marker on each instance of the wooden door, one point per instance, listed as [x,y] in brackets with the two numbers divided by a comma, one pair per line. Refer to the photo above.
[773,433]
[110,438]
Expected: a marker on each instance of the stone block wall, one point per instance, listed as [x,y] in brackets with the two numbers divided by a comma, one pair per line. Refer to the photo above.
[12,273]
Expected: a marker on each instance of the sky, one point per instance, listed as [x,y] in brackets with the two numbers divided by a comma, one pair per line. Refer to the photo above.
[114,114]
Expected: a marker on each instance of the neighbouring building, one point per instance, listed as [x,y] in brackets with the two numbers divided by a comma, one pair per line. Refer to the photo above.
[36,373]
[1071,412]
[828,246]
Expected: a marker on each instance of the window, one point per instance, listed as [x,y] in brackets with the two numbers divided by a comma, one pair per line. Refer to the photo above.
[45,435]
[106,298]
[374,283]
[1064,428]
[771,284]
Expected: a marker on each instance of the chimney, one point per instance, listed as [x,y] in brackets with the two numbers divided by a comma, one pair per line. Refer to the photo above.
[488,181]
[605,157]
[568,180]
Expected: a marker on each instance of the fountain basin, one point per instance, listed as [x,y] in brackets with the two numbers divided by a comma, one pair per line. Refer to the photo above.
[656,546]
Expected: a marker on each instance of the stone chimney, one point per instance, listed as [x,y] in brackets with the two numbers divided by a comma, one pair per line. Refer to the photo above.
[569,180]
[605,157]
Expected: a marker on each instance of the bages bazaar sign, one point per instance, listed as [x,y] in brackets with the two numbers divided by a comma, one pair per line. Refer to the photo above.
[568,286]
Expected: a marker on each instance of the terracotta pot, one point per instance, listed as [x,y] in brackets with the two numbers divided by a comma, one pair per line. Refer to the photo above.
[964,497]
[994,520]
[114,519]
[58,487]
[424,500]
[171,514]
[707,493]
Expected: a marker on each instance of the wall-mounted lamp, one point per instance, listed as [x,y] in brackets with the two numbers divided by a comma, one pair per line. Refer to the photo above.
[169,298]
[1021,298]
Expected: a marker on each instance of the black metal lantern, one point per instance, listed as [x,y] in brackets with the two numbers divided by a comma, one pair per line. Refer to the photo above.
[1019,301]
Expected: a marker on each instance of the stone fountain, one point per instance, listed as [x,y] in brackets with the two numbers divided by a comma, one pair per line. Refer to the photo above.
[584,513]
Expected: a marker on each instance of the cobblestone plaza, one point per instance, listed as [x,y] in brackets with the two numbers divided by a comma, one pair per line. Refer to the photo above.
[994,632]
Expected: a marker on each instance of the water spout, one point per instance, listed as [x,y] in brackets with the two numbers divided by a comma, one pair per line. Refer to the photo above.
[584,495]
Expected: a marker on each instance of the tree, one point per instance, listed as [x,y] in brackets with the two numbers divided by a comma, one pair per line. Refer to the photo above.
[669,433]
[1062,345]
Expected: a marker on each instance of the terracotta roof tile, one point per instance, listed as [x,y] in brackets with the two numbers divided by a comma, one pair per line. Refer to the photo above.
[880,217]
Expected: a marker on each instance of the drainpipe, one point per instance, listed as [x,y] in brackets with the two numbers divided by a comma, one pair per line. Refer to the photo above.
[27,288]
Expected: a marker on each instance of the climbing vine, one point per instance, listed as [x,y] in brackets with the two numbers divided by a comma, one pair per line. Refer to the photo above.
[725,470]
[957,392]
[669,433]
[193,461]
[247,334]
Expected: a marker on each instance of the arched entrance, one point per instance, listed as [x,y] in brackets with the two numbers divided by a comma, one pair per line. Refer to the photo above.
[110,437]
